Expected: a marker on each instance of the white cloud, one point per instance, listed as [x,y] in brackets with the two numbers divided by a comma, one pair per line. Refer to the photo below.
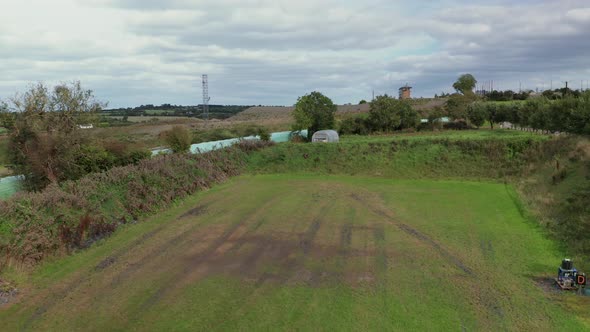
[269,52]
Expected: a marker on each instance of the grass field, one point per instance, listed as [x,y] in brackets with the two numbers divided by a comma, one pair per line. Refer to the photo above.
[315,253]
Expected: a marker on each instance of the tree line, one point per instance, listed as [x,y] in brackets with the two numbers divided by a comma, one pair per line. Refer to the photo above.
[570,114]
[215,111]
[315,112]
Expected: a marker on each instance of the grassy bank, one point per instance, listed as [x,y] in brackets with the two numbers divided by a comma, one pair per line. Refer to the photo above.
[452,155]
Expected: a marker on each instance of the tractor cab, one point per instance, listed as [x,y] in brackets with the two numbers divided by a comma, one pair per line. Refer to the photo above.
[568,277]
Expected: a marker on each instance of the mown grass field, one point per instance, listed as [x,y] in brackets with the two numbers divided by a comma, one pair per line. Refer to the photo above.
[311,252]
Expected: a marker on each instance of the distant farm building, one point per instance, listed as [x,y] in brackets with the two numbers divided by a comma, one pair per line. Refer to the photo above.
[506,125]
[88,126]
[441,120]
[325,136]
[405,92]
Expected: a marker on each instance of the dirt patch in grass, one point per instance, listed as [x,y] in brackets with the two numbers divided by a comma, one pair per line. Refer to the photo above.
[195,212]
[273,257]
[548,285]
[7,293]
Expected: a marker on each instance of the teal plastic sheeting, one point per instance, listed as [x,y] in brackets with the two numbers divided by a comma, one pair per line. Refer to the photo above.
[9,186]
[215,145]
[278,137]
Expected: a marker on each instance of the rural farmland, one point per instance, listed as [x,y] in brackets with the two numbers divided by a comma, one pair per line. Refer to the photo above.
[311,253]
[294,166]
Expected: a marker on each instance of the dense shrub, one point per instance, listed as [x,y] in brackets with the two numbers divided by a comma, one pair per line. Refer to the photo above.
[237,131]
[264,134]
[457,125]
[46,139]
[179,138]
[386,114]
[354,126]
[76,213]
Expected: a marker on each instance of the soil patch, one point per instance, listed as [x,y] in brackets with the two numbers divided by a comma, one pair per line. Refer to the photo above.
[195,212]
[7,293]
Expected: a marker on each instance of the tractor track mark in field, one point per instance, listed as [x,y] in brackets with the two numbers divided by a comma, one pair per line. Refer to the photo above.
[53,299]
[416,234]
[157,252]
[381,255]
[307,239]
[193,264]
[120,277]
[379,234]
[244,239]
[196,262]
[487,249]
[195,212]
[111,259]
[345,237]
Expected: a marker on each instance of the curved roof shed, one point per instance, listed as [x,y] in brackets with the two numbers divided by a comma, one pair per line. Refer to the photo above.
[325,136]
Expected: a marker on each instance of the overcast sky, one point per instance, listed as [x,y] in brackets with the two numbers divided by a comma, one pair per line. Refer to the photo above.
[269,52]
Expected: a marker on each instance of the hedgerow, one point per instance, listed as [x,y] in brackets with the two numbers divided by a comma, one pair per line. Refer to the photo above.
[75,214]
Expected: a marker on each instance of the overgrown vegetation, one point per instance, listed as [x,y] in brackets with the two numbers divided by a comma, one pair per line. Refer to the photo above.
[557,189]
[179,138]
[236,131]
[437,156]
[75,213]
[47,144]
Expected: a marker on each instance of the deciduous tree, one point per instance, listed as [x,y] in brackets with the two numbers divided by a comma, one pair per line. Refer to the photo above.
[477,114]
[465,84]
[46,140]
[314,112]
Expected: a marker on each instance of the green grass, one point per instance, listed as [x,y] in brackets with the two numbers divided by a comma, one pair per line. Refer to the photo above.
[478,154]
[455,135]
[303,252]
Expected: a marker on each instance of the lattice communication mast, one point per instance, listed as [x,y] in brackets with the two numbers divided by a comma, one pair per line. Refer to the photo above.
[206,97]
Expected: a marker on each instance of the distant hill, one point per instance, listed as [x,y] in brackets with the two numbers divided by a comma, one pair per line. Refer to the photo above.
[284,112]
[215,111]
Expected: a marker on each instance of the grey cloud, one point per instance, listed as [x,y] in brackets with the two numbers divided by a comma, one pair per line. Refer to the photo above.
[268,52]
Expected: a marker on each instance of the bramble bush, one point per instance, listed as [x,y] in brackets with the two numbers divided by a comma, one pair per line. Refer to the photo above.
[74,214]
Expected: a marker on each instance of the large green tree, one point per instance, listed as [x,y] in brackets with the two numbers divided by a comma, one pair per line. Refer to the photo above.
[465,84]
[388,114]
[314,112]
[456,106]
[477,114]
